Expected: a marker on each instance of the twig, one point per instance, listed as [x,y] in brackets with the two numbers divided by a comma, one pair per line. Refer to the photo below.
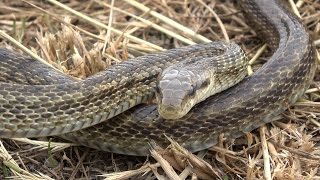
[149,23]
[25,49]
[107,39]
[223,29]
[266,156]
[169,21]
[101,25]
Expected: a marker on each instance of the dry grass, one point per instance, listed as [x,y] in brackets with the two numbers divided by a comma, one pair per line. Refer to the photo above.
[72,42]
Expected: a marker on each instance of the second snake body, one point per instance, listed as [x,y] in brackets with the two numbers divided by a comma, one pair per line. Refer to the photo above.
[63,105]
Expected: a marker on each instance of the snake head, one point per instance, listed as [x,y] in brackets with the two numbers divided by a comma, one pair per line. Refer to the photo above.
[192,80]
[178,91]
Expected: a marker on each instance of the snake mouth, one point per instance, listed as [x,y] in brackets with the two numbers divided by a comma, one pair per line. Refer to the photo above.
[171,112]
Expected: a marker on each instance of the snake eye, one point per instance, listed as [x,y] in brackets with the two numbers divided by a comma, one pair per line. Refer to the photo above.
[205,83]
[192,91]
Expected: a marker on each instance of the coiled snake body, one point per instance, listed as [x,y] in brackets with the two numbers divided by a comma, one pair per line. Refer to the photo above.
[42,102]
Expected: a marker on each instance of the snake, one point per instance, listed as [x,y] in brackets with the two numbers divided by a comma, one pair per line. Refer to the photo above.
[108,110]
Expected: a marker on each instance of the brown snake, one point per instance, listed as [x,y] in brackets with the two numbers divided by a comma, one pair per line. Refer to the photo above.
[40,102]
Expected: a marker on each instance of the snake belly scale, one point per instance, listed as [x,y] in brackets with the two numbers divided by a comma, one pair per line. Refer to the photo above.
[56,104]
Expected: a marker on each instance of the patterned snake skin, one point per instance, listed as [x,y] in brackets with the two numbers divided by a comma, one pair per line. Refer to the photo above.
[60,104]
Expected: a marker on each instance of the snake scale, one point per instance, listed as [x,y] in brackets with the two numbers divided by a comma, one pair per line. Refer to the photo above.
[38,101]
